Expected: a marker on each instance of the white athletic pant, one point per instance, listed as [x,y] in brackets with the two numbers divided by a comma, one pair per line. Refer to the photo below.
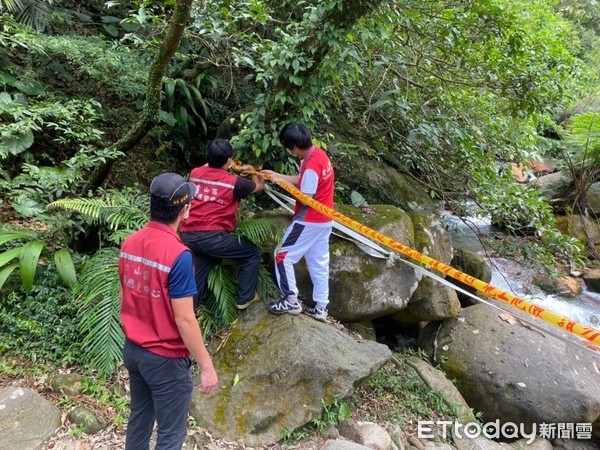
[311,241]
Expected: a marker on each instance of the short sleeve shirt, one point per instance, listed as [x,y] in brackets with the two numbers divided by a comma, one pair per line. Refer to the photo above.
[243,187]
[181,278]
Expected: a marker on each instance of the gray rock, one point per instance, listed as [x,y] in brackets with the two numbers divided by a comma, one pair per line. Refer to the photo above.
[552,186]
[382,184]
[26,419]
[477,443]
[432,301]
[67,383]
[274,371]
[586,229]
[431,238]
[343,445]
[374,436]
[471,264]
[363,287]
[592,197]
[397,435]
[87,420]
[365,329]
[563,286]
[537,444]
[514,374]
[437,446]
[349,429]
[576,444]
[330,432]
[592,279]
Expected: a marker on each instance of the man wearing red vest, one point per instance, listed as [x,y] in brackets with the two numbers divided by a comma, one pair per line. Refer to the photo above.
[208,229]
[159,321]
[308,235]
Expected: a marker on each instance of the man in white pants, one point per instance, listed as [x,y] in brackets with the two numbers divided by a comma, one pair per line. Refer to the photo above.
[308,235]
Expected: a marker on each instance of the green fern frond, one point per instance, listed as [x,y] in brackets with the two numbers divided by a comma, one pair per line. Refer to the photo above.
[97,291]
[585,129]
[89,207]
[258,231]
[266,287]
[222,287]
[33,13]
[120,212]
[103,343]
[208,321]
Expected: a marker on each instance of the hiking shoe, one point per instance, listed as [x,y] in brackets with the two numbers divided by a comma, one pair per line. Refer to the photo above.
[317,313]
[285,306]
[248,303]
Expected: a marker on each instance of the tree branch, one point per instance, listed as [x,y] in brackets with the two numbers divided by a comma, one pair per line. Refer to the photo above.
[150,114]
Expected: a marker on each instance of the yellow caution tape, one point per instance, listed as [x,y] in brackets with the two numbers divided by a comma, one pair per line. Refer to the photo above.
[560,321]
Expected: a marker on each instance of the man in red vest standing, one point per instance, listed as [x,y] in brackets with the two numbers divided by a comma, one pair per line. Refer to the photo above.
[159,321]
[308,235]
[208,229]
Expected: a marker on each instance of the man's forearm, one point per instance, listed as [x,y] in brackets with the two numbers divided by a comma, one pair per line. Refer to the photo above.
[192,338]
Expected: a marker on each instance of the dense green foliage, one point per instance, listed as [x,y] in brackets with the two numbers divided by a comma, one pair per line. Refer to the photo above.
[448,93]
[40,324]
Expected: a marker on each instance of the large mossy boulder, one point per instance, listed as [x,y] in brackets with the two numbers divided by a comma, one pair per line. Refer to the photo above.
[275,370]
[512,372]
[472,264]
[586,229]
[431,237]
[432,300]
[379,183]
[362,287]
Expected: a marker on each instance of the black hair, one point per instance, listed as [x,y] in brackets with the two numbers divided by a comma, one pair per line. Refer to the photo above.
[218,152]
[295,134]
[163,212]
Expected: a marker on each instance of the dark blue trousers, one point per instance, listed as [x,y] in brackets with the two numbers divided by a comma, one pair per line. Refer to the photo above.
[211,247]
[161,390]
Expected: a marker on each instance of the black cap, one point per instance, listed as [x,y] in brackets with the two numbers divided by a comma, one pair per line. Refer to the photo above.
[173,188]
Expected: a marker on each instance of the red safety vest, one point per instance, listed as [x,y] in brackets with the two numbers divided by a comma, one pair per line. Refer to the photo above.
[145,262]
[213,207]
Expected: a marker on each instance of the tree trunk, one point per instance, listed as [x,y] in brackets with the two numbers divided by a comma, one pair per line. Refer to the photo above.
[151,111]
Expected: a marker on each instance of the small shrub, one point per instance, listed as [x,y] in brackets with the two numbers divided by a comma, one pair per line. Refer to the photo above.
[40,325]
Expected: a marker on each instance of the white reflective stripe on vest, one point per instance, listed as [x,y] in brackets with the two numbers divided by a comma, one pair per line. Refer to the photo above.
[147,262]
[213,183]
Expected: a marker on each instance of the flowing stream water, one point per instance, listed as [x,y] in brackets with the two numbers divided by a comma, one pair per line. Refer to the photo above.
[512,277]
